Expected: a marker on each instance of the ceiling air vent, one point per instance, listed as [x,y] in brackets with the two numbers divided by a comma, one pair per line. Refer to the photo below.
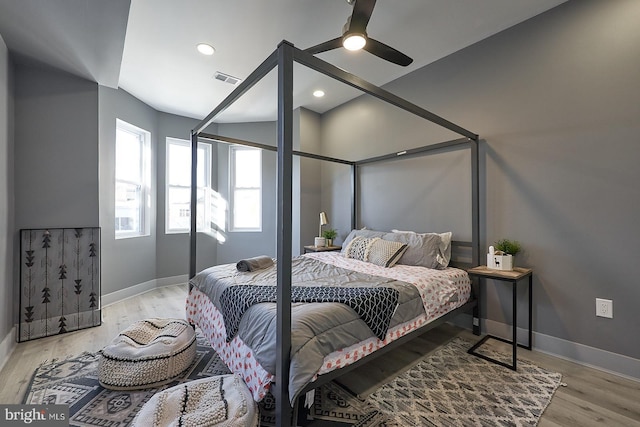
[226,78]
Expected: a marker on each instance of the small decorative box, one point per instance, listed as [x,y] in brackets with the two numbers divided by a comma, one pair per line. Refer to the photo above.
[500,262]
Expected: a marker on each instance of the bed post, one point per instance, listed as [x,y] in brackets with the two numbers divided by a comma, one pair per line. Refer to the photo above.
[354,195]
[475,203]
[475,230]
[284,412]
[194,201]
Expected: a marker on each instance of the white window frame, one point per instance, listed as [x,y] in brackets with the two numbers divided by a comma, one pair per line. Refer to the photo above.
[206,190]
[233,149]
[144,138]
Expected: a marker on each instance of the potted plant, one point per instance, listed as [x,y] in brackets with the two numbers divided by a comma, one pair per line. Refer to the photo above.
[500,256]
[509,247]
[329,235]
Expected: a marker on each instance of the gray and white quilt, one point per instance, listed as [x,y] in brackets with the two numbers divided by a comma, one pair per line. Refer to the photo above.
[375,306]
[318,328]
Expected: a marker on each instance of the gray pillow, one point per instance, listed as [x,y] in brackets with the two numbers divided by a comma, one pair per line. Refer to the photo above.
[445,245]
[422,250]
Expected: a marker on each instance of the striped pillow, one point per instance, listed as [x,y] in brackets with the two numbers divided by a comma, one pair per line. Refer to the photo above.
[386,253]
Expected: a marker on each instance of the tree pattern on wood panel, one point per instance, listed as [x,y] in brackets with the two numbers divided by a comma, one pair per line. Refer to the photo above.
[59,281]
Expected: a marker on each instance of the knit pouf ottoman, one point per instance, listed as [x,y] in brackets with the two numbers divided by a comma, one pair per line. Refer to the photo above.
[222,400]
[149,353]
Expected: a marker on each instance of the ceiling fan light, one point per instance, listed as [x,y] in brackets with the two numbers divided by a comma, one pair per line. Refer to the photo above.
[205,49]
[354,41]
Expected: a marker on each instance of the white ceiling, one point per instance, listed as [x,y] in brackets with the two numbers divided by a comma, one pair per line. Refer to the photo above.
[160,65]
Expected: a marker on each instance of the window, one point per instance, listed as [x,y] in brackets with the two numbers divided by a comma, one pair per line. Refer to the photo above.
[246,188]
[178,199]
[132,199]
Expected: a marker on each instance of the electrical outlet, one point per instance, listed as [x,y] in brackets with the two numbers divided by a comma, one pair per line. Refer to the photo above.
[604,308]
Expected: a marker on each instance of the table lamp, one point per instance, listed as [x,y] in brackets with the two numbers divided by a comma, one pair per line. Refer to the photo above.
[320,241]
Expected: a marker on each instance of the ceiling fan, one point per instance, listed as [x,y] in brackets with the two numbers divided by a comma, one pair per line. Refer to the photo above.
[354,36]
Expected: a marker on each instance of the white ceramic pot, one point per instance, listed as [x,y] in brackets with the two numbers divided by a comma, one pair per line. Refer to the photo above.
[500,262]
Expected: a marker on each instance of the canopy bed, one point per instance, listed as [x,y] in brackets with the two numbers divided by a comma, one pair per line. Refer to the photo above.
[289,276]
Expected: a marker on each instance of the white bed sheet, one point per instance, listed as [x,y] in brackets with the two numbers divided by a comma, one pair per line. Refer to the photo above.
[441,291]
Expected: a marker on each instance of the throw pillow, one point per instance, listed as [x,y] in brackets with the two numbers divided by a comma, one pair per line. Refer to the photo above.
[358,248]
[386,253]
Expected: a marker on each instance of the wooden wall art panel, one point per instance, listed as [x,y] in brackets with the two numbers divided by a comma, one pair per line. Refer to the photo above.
[59,281]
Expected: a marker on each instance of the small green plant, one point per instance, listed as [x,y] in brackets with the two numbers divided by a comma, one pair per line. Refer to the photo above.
[510,247]
[329,234]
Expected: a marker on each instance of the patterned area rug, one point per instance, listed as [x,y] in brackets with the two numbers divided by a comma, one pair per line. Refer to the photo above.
[453,388]
[74,381]
[448,388]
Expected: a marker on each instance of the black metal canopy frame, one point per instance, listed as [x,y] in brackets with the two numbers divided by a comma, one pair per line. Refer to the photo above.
[283,58]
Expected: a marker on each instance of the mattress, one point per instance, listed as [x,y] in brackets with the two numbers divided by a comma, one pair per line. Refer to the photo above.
[325,335]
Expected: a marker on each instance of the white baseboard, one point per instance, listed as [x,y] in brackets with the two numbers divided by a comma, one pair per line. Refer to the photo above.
[173,280]
[596,358]
[6,346]
[141,288]
[129,292]
[8,343]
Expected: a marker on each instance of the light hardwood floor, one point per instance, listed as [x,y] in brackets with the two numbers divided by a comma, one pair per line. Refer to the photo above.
[590,398]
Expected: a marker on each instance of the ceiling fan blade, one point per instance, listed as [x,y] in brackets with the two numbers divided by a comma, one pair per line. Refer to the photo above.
[323,47]
[383,51]
[360,16]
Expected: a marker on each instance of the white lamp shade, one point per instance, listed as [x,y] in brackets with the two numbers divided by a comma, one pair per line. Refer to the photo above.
[323,218]
[323,221]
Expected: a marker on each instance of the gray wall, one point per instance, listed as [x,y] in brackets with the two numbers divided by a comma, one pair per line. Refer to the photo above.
[240,245]
[307,182]
[56,150]
[557,102]
[55,156]
[7,234]
[125,262]
[172,250]
[445,177]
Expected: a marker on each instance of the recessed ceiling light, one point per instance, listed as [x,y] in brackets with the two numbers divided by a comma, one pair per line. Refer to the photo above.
[205,49]
[318,93]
